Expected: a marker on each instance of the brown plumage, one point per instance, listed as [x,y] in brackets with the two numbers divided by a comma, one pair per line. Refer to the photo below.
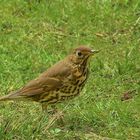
[62,81]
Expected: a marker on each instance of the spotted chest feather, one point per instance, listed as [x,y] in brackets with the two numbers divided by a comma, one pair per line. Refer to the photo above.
[67,91]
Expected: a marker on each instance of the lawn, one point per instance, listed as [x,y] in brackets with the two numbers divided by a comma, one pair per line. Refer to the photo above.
[34,35]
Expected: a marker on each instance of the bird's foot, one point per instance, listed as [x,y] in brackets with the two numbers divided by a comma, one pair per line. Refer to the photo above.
[57,117]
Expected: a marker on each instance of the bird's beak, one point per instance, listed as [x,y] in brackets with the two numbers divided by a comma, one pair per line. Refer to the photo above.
[94,51]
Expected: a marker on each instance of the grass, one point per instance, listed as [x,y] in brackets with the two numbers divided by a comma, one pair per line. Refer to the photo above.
[33,36]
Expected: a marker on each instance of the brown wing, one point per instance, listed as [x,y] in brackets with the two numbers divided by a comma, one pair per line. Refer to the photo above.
[35,88]
[41,85]
[50,80]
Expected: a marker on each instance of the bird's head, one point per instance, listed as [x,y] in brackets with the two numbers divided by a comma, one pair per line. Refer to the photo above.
[82,54]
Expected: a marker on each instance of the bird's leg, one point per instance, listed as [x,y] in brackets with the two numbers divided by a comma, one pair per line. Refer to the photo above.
[57,113]
[44,107]
[53,112]
[56,116]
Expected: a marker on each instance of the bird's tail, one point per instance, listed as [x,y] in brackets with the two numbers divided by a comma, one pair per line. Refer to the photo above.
[11,96]
[5,98]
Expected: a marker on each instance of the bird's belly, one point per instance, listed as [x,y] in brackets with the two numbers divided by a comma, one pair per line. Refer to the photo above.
[72,91]
[69,95]
[65,93]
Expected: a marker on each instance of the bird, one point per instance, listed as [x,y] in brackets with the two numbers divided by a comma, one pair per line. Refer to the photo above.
[62,81]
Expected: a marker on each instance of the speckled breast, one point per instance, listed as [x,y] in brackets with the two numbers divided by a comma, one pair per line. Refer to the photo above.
[67,91]
[72,90]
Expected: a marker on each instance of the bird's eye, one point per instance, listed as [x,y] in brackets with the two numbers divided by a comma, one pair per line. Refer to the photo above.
[79,54]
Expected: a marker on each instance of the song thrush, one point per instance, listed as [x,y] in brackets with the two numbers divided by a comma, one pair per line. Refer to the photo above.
[62,81]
